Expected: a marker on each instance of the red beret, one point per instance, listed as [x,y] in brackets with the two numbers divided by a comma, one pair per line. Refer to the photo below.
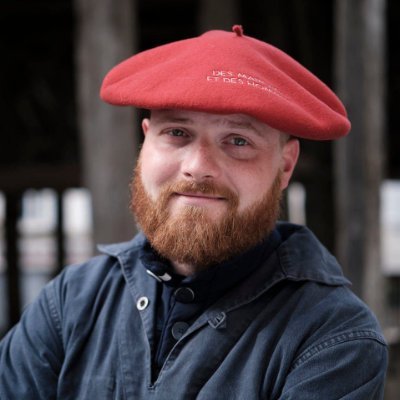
[228,72]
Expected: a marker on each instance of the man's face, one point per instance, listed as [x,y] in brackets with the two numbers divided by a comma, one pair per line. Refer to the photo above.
[209,184]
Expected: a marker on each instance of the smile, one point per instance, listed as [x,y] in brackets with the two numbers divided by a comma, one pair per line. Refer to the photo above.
[198,198]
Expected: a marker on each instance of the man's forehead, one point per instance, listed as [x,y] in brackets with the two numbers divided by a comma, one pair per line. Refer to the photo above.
[237,121]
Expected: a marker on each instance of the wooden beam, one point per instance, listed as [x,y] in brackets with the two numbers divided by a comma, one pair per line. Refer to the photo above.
[360,59]
[108,134]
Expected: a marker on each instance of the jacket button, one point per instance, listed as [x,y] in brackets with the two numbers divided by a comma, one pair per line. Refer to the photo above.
[184,295]
[142,303]
[179,329]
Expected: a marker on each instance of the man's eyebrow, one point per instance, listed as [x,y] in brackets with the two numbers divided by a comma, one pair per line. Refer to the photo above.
[179,120]
[230,123]
[241,125]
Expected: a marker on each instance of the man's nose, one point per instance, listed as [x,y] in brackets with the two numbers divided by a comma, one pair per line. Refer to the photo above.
[201,162]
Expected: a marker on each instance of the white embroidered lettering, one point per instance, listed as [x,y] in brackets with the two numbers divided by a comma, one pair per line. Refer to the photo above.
[240,78]
[249,78]
[222,73]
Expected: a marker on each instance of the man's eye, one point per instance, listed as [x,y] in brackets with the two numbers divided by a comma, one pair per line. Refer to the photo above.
[177,132]
[238,141]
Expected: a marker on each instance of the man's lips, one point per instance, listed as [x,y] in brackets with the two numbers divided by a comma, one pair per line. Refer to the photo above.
[199,196]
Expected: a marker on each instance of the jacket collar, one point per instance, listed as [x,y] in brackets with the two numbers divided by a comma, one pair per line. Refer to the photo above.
[300,257]
[303,257]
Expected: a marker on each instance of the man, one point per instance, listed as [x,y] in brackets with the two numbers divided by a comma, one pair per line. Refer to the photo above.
[213,299]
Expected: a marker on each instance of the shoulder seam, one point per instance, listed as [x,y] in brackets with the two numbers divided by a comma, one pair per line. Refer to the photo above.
[336,340]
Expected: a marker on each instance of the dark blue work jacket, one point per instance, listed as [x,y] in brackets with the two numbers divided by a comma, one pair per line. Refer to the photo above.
[291,329]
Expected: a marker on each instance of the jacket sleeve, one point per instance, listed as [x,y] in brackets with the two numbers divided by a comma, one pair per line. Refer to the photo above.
[31,353]
[348,367]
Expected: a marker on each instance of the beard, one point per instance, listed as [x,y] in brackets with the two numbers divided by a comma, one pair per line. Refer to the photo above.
[191,236]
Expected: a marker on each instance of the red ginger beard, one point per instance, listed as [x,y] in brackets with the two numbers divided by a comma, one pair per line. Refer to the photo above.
[191,237]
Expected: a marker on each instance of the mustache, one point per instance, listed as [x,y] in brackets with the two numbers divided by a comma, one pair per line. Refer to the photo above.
[206,188]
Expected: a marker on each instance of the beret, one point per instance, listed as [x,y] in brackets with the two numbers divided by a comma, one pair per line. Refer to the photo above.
[228,73]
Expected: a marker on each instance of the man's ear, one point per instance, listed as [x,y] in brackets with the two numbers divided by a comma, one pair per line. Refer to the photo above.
[145,126]
[290,155]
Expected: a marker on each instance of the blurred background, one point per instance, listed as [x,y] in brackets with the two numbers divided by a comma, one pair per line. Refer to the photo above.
[66,158]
